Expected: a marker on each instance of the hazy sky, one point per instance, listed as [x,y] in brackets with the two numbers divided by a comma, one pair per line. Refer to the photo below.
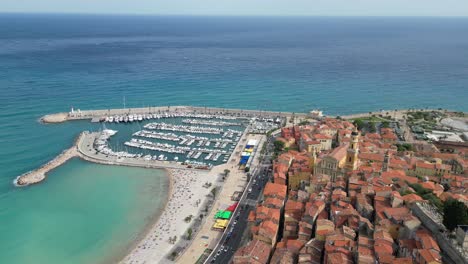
[246,7]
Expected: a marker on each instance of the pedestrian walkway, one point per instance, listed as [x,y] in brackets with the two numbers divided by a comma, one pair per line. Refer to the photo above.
[207,238]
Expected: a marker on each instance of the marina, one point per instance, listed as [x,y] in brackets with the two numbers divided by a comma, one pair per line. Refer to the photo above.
[186,140]
[174,141]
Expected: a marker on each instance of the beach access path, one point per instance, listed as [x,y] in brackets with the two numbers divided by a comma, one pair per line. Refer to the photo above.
[236,181]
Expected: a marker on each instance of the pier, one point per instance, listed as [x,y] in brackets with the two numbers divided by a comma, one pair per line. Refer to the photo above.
[96,115]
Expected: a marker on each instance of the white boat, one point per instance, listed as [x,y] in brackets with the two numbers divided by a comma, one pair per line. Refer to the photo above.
[190,154]
[161,157]
[176,158]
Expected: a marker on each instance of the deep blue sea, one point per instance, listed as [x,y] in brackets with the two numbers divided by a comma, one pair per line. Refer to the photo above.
[49,63]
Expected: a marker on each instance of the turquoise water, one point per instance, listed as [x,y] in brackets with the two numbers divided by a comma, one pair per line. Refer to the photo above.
[83,213]
[49,63]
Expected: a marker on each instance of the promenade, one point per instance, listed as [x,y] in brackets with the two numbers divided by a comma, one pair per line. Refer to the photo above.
[236,181]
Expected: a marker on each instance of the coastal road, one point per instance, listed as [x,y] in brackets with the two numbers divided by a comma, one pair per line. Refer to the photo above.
[232,237]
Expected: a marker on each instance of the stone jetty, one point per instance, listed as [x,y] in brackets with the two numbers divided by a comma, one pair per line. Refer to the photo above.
[38,175]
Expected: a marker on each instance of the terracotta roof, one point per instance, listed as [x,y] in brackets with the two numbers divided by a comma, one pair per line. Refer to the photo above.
[274,202]
[411,198]
[407,260]
[429,255]
[425,165]
[339,153]
[372,156]
[255,251]
[269,229]
[322,136]
[274,189]
[293,205]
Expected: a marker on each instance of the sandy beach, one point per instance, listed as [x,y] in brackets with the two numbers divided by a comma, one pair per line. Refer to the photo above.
[186,189]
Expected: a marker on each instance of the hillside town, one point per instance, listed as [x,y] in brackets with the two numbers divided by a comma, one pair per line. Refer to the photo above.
[339,193]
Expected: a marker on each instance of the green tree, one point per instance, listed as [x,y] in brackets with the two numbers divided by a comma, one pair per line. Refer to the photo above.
[189,233]
[247,169]
[372,128]
[404,147]
[213,192]
[279,145]
[226,172]
[455,213]
[173,256]
[359,123]
[385,124]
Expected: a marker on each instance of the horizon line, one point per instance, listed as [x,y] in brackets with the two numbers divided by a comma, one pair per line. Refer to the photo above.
[228,15]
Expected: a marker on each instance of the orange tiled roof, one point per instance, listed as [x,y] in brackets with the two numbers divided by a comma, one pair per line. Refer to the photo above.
[274,189]
[411,198]
[339,153]
[255,251]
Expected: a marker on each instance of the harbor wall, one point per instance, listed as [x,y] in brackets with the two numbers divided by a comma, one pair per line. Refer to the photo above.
[96,114]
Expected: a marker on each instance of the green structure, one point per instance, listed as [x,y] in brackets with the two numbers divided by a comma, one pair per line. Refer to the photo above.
[223,215]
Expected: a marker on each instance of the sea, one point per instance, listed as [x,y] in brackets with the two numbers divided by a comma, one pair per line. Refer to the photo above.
[89,213]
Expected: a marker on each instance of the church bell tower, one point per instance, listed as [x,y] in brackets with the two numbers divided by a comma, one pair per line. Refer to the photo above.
[352,153]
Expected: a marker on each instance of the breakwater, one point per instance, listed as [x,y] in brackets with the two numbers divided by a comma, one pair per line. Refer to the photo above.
[38,175]
[96,115]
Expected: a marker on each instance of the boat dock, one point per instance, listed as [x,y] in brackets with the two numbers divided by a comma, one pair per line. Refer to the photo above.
[98,115]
